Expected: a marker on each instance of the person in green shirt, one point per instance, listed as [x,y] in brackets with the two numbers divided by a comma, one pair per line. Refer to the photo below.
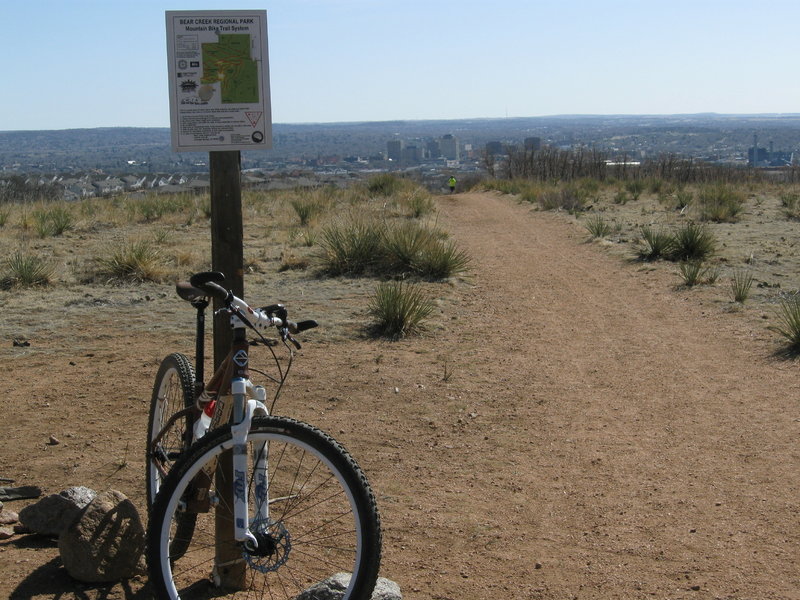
[452,184]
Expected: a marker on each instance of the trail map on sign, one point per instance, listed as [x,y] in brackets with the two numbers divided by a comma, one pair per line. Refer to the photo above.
[228,61]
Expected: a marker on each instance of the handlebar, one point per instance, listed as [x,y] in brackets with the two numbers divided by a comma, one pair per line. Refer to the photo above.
[275,315]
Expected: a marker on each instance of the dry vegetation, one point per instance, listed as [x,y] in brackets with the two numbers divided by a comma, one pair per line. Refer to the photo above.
[382,229]
[733,242]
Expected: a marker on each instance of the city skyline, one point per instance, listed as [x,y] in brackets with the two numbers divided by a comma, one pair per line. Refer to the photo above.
[89,63]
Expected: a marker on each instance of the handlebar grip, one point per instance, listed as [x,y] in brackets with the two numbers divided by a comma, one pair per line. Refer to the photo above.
[301,326]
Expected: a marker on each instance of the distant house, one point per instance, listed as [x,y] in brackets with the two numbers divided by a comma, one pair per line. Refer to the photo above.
[108,186]
[133,182]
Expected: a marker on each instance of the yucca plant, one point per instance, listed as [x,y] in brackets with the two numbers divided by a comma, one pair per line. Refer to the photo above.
[419,203]
[720,203]
[384,184]
[741,282]
[403,246]
[307,208]
[789,322]
[657,243]
[693,242]
[692,272]
[25,270]
[398,309]
[136,261]
[441,260]
[597,226]
[52,221]
[351,247]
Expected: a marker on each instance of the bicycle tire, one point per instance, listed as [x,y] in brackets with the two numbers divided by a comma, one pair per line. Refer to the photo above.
[173,391]
[323,519]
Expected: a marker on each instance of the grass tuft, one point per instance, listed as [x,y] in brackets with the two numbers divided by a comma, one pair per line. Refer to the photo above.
[52,221]
[789,322]
[25,270]
[741,282]
[720,203]
[134,261]
[597,227]
[398,309]
[693,242]
[657,243]
[350,247]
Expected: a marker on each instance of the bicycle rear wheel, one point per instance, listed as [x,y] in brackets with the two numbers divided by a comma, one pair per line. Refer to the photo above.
[172,392]
[311,511]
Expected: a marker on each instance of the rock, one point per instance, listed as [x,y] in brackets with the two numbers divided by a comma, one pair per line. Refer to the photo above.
[53,441]
[52,514]
[8,517]
[105,542]
[333,589]
[6,532]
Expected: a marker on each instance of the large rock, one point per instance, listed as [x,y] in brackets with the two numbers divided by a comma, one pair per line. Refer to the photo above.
[52,514]
[333,589]
[105,542]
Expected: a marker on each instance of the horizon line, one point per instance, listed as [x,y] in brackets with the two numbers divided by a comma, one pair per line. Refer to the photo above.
[506,118]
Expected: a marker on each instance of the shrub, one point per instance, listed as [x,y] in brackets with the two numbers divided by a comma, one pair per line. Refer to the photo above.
[790,201]
[720,203]
[419,203]
[693,242]
[134,261]
[398,309]
[307,208]
[52,221]
[692,272]
[741,282]
[384,184]
[414,248]
[442,259]
[350,247]
[597,226]
[25,270]
[569,198]
[789,322]
[658,243]
[635,188]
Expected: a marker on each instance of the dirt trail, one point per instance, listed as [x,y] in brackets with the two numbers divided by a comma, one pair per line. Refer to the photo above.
[573,427]
[625,444]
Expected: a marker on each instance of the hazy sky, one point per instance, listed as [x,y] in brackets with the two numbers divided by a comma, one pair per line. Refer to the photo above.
[99,63]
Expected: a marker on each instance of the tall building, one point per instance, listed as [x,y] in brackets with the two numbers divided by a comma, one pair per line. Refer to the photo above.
[394,149]
[449,147]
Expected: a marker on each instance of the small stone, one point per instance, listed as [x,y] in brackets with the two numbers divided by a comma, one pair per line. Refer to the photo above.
[53,441]
[695,588]
[8,517]
[538,565]
[6,532]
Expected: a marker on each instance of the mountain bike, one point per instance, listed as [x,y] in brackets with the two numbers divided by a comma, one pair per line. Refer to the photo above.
[242,500]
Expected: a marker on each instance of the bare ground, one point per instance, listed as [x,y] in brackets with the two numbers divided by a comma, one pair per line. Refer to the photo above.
[571,427]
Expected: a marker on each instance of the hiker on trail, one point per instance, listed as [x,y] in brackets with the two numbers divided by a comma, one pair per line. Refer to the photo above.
[452,183]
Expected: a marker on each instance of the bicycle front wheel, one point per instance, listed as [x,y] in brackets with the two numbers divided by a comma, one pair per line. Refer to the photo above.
[311,512]
[173,391]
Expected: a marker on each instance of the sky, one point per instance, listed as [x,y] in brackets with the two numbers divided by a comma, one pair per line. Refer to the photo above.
[103,63]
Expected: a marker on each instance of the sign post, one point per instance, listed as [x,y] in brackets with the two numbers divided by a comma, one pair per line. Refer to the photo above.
[219,102]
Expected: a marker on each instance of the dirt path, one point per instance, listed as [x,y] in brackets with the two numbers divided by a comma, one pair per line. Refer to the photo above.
[626,443]
[572,428]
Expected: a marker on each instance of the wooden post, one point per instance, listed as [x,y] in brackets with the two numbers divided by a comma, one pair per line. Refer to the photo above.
[227,253]
[227,256]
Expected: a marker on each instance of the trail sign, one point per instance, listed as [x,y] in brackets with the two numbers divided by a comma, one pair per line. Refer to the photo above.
[218,80]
